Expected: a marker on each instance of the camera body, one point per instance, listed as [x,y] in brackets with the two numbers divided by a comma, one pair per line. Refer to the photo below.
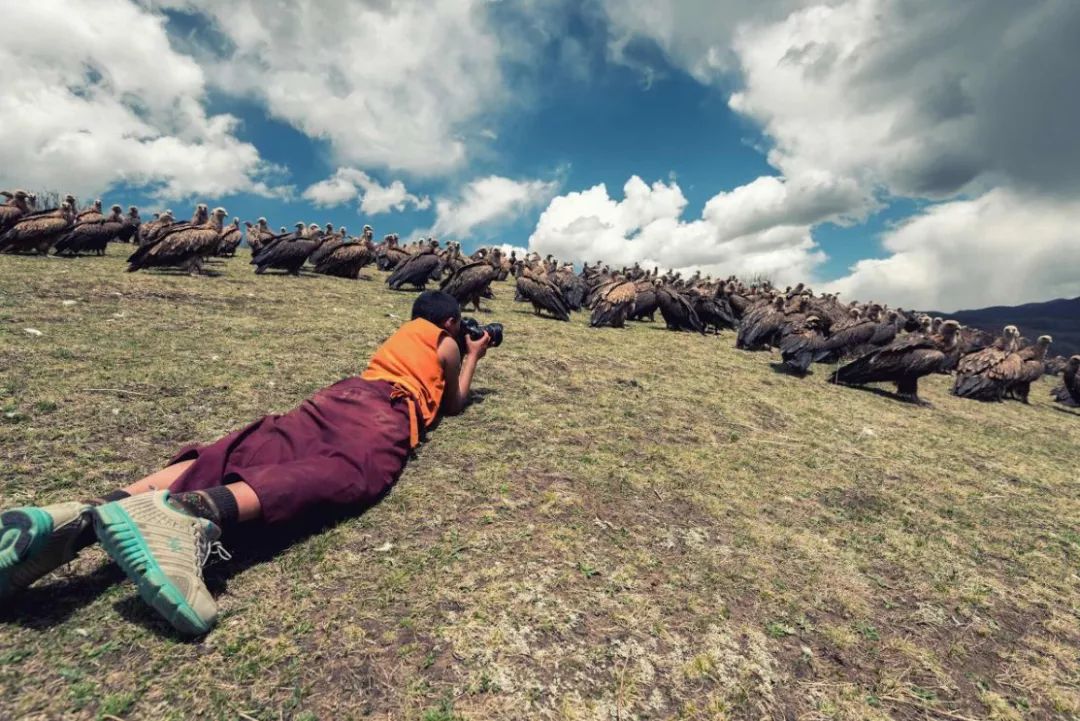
[471,328]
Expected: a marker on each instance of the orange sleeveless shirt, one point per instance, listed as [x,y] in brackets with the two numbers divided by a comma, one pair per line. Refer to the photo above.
[410,360]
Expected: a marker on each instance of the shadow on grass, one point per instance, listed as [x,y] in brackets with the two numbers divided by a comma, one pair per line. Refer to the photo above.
[887,394]
[48,605]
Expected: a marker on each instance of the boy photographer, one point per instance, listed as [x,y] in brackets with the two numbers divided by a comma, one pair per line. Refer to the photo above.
[343,447]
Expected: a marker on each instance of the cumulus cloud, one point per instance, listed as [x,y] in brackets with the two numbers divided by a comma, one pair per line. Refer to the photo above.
[385,84]
[762,228]
[347,184]
[94,95]
[1002,248]
[487,202]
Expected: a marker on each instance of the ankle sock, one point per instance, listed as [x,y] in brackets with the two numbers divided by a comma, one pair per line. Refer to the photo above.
[216,504]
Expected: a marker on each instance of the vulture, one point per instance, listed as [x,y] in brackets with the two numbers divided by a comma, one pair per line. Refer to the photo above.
[1068,391]
[38,231]
[713,310]
[1032,369]
[469,282]
[571,285]
[289,252]
[645,302]
[416,270]
[230,239]
[345,260]
[902,362]
[91,213]
[614,303]
[14,209]
[183,245]
[761,325]
[259,235]
[536,288]
[149,233]
[986,374]
[389,255]
[800,344]
[130,228]
[677,311]
[91,234]
[855,332]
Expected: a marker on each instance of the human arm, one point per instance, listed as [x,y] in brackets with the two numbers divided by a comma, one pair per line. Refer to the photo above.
[458,371]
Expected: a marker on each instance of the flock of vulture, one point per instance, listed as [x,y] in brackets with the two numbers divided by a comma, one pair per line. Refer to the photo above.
[863,342]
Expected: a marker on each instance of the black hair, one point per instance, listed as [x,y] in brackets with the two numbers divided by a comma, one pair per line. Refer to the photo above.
[436,306]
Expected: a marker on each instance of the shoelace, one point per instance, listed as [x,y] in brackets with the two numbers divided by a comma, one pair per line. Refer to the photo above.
[206,549]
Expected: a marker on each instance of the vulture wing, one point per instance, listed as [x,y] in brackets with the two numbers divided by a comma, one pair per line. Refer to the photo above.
[544,295]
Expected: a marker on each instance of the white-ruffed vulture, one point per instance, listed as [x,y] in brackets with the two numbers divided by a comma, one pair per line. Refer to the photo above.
[614,304]
[469,282]
[231,237]
[902,362]
[536,288]
[182,247]
[346,259]
[676,309]
[416,270]
[289,252]
[1068,391]
[38,231]
[1031,370]
[91,235]
[985,375]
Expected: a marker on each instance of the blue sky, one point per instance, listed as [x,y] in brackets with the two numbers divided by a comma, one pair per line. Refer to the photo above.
[866,146]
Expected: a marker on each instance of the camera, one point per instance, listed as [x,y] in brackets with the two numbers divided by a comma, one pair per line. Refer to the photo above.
[471,327]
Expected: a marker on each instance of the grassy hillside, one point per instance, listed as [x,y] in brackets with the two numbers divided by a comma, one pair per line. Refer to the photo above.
[628,525]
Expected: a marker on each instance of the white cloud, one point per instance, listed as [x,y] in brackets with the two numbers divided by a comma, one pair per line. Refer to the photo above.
[390,85]
[94,95]
[1002,248]
[489,201]
[349,183]
[759,228]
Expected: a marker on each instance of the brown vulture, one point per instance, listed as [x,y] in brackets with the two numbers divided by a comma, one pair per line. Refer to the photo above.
[184,246]
[902,362]
[91,235]
[38,231]
[1068,391]
[800,343]
[985,375]
[645,302]
[14,209]
[130,228]
[571,285]
[1032,369]
[536,288]
[389,255]
[230,239]
[150,232]
[614,304]
[713,310]
[290,251]
[761,325]
[469,282]
[677,311]
[259,235]
[416,270]
[345,260]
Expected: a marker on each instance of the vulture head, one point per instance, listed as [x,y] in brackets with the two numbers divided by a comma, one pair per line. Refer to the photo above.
[329,228]
[116,209]
[21,195]
[133,212]
[236,222]
[1073,365]
[70,200]
[219,214]
[283,230]
[97,205]
[950,328]
[248,224]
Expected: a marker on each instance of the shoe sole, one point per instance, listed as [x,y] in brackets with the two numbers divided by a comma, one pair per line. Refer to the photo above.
[23,533]
[122,540]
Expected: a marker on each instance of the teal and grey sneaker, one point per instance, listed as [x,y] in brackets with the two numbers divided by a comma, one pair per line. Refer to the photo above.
[162,550]
[36,540]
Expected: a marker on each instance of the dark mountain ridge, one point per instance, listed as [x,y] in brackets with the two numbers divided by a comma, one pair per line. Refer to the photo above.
[1059,318]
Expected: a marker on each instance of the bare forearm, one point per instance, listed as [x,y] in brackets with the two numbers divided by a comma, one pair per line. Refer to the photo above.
[468,367]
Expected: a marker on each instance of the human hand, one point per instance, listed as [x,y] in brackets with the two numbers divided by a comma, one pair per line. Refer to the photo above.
[477,348]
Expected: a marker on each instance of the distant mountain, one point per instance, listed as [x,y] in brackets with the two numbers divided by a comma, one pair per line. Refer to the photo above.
[1059,318]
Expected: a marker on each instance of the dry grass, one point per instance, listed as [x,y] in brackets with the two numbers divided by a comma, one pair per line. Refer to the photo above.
[631,524]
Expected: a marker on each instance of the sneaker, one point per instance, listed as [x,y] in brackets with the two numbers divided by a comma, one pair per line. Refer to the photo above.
[163,549]
[36,540]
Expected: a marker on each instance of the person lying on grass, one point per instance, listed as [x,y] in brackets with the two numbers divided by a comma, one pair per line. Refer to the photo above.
[343,447]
